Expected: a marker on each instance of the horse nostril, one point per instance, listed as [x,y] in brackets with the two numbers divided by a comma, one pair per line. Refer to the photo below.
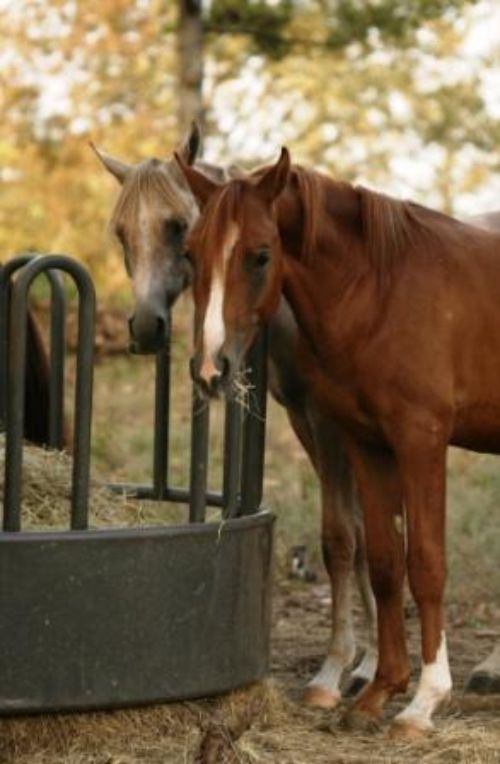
[148,330]
[224,366]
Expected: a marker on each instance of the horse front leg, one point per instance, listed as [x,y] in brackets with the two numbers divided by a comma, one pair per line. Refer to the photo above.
[423,472]
[380,492]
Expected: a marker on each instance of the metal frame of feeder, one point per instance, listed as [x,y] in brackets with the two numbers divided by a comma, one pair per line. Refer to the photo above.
[106,618]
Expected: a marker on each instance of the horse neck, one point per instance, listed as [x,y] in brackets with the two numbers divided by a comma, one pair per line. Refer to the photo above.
[319,218]
[331,269]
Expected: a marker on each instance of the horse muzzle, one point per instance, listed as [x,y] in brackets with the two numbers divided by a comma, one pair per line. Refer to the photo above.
[212,378]
[148,330]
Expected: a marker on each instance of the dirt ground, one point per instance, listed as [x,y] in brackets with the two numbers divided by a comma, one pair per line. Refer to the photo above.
[267,723]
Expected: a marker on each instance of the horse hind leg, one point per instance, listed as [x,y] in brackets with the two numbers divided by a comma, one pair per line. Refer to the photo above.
[323,689]
[485,677]
[365,670]
[338,544]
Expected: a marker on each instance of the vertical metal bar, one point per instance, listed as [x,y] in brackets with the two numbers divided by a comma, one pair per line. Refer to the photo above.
[57,352]
[255,428]
[200,424]
[162,416]
[83,393]
[18,321]
[232,458]
[6,272]
[83,400]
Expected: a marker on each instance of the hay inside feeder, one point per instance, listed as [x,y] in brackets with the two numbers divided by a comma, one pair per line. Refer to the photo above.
[46,496]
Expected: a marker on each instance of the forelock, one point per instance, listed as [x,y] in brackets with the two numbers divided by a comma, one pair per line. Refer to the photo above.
[152,184]
[222,211]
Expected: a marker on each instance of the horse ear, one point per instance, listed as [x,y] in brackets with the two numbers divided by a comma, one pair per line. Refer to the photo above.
[275,178]
[201,187]
[191,146]
[116,167]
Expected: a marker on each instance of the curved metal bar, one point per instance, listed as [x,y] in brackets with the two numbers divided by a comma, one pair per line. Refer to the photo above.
[6,272]
[16,388]
[57,346]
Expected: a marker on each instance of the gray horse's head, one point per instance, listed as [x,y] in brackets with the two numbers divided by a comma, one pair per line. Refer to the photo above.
[153,212]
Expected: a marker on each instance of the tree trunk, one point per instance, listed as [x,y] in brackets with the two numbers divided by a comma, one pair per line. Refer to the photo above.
[190,64]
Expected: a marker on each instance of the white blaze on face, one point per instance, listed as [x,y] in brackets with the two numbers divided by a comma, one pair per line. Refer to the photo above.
[213,326]
[142,277]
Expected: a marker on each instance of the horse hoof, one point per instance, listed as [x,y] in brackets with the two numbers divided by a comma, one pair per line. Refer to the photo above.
[320,697]
[361,721]
[483,683]
[406,729]
[356,684]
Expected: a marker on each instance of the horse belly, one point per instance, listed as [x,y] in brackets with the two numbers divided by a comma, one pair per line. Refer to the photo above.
[478,429]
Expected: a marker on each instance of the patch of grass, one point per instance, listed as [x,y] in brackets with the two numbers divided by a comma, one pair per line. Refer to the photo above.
[474,526]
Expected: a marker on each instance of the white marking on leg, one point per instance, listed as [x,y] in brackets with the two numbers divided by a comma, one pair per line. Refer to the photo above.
[213,326]
[433,687]
[399,524]
[329,676]
[367,666]
[342,649]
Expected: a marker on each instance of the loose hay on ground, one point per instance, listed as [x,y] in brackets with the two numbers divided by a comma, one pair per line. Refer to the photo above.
[258,725]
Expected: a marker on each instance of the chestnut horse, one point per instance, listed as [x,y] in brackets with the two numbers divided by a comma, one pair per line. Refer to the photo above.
[153,213]
[398,309]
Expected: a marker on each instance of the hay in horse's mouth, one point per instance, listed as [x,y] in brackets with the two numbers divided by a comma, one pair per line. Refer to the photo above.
[241,390]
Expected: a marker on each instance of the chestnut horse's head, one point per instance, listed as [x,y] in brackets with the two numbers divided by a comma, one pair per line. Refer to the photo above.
[153,212]
[236,254]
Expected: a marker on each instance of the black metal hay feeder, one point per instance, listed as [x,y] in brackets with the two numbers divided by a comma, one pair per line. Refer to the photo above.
[110,618]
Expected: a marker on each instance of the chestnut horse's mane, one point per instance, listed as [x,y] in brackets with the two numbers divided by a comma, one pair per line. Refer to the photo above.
[390,228]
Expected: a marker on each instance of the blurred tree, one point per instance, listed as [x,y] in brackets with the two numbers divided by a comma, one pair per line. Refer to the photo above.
[190,64]
[378,91]
[343,22]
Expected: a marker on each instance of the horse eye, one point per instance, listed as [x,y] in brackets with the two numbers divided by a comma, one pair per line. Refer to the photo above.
[175,227]
[262,257]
